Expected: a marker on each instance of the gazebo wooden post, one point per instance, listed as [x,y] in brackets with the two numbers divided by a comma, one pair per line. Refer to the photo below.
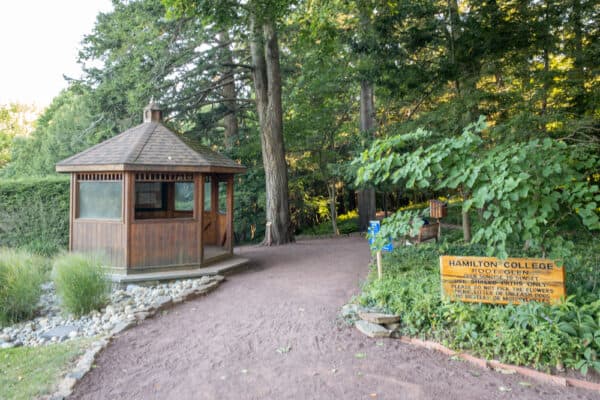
[214,199]
[229,242]
[199,213]
[72,207]
[128,213]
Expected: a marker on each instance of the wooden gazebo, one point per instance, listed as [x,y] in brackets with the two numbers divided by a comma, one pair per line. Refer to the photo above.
[150,199]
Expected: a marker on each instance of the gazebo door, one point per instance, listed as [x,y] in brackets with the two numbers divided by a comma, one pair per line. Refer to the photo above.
[217,218]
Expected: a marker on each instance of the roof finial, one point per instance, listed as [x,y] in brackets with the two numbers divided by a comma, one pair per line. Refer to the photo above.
[152,112]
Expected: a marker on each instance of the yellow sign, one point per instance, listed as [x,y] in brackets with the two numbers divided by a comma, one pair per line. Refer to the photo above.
[491,280]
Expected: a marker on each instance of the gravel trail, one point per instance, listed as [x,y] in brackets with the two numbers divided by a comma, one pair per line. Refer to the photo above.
[273,332]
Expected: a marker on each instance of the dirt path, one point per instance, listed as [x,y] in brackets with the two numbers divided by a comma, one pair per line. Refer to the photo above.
[224,346]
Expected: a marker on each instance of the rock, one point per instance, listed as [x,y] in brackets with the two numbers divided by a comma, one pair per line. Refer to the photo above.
[7,345]
[65,387]
[110,310]
[141,315]
[378,318]
[372,330]
[349,310]
[132,288]
[107,327]
[73,335]
[77,374]
[392,327]
[161,301]
[59,333]
[121,326]
[4,337]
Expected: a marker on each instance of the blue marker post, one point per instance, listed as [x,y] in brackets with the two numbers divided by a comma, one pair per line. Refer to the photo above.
[374,227]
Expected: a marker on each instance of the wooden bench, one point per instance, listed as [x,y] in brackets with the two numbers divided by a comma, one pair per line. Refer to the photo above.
[427,232]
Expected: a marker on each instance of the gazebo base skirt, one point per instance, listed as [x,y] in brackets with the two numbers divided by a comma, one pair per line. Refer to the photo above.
[226,266]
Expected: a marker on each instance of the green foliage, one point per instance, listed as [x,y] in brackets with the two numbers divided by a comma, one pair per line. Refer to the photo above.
[21,275]
[81,283]
[541,335]
[66,127]
[34,214]
[523,189]
[346,223]
[31,372]
[15,120]
[530,68]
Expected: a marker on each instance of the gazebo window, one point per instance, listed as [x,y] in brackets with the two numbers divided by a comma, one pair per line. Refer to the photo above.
[222,197]
[164,196]
[184,196]
[207,194]
[99,196]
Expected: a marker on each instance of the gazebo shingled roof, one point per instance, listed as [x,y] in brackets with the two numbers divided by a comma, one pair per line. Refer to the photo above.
[149,146]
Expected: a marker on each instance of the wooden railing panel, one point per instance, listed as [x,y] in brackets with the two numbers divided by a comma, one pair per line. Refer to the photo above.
[164,243]
[106,238]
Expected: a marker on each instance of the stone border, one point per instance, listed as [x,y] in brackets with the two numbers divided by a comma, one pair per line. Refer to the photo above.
[86,362]
[496,365]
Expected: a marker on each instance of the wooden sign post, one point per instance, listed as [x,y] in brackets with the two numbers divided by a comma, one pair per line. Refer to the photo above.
[491,280]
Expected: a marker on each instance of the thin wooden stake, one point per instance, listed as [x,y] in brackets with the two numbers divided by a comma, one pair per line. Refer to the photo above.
[379,266]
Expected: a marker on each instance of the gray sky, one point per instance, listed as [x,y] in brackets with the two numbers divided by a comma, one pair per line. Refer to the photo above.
[39,42]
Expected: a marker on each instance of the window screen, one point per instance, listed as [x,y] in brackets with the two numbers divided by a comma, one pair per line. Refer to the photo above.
[184,196]
[150,196]
[223,197]
[207,194]
[100,200]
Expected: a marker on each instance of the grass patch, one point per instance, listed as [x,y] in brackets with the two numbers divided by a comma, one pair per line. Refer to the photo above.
[81,283]
[29,372]
[21,275]
[535,334]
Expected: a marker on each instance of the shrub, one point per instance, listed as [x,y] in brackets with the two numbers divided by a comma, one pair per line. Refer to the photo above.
[537,334]
[21,275]
[34,214]
[347,223]
[81,283]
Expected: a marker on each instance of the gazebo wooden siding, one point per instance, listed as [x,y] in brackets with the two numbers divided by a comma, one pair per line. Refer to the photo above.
[165,242]
[96,235]
[151,153]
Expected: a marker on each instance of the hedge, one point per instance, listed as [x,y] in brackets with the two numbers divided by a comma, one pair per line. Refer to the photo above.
[34,214]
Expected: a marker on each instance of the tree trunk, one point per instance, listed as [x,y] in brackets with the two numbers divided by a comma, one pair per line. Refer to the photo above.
[366,208]
[466,225]
[267,84]
[366,197]
[351,199]
[385,205]
[229,94]
[546,74]
[579,99]
[332,207]
[546,87]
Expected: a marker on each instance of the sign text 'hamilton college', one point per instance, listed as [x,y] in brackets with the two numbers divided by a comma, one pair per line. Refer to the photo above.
[491,280]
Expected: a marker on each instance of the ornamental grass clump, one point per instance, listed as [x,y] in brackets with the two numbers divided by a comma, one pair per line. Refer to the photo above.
[81,283]
[21,276]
